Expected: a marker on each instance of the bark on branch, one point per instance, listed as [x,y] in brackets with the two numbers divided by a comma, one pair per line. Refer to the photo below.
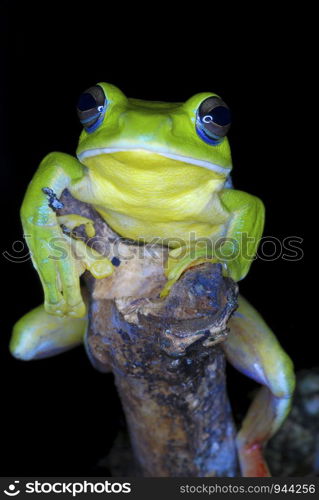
[164,353]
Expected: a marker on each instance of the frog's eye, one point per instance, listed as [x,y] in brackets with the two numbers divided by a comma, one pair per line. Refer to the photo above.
[213,120]
[91,108]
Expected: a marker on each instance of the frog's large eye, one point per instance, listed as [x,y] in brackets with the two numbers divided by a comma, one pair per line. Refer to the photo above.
[91,108]
[213,120]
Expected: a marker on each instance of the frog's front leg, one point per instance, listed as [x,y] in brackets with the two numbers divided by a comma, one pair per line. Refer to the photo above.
[253,349]
[244,230]
[50,248]
[237,247]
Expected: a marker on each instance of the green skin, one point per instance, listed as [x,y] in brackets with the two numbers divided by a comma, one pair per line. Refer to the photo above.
[149,174]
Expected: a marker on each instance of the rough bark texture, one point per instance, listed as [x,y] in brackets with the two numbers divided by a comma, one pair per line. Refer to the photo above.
[168,366]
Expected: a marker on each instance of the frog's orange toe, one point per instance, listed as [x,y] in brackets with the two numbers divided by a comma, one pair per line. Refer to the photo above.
[252,461]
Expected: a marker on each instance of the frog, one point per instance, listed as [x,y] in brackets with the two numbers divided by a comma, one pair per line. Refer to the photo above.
[158,171]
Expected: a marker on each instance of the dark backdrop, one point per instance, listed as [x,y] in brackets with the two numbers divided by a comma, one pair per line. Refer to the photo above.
[59,416]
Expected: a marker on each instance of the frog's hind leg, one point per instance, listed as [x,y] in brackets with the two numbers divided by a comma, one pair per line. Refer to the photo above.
[253,349]
[41,335]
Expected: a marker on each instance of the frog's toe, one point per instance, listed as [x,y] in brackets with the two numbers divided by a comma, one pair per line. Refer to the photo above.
[63,308]
[176,267]
[77,310]
[71,221]
[56,309]
[99,266]
[70,285]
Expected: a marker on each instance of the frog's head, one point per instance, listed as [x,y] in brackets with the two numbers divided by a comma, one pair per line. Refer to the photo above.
[169,140]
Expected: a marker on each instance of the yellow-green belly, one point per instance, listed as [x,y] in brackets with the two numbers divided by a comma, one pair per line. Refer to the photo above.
[144,196]
[172,233]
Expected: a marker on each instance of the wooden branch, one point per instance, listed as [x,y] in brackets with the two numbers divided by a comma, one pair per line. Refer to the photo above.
[168,367]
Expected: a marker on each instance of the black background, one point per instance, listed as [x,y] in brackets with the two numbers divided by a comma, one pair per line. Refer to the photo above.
[59,416]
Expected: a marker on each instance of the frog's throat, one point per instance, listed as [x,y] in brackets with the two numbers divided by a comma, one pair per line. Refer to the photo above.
[185,159]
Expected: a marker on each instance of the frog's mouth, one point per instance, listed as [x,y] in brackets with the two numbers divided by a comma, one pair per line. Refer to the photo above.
[213,167]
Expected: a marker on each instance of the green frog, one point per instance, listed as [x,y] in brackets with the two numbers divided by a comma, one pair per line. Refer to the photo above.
[154,171]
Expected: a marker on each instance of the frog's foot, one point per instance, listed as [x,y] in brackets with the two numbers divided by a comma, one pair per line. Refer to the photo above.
[253,349]
[87,257]
[254,433]
[60,260]
[40,335]
[71,221]
[179,260]
[252,460]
